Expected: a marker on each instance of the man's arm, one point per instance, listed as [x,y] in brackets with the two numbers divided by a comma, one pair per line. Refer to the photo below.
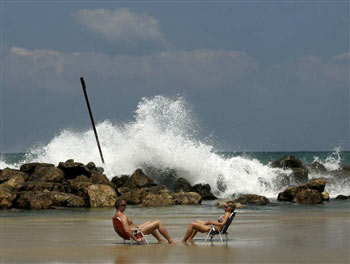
[128,230]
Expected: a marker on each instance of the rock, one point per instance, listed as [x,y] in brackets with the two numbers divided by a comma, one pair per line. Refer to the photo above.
[78,188]
[101,195]
[99,178]
[7,195]
[139,180]
[308,196]
[47,174]
[82,178]
[182,185]
[163,176]
[325,196]
[318,167]
[287,162]
[8,173]
[252,199]
[16,181]
[120,181]
[161,197]
[186,198]
[73,169]
[317,184]
[288,194]
[300,175]
[91,165]
[39,186]
[29,168]
[136,196]
[51,199]
[204,190]
[345,167]
[222,203]
[22,200]
[342,197]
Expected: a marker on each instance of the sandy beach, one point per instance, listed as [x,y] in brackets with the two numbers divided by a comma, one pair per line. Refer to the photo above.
[272,234]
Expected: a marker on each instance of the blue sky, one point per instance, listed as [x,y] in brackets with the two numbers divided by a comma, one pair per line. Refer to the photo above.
[260,75]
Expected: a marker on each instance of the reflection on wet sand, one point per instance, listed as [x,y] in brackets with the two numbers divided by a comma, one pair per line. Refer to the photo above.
[282,235]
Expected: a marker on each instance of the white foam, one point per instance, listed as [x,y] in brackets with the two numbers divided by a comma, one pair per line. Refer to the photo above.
[163,135]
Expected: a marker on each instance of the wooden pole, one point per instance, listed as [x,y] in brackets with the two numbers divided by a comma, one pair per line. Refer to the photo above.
[91,117]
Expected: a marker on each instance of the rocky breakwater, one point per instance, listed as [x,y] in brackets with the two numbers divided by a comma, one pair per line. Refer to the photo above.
[45,186]
[139,189]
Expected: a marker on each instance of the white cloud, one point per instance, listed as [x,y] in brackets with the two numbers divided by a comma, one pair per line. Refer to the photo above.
[197,69]
[315,70]
[122,25]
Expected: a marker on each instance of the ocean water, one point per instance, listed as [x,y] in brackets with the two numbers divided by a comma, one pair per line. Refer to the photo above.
[165,135]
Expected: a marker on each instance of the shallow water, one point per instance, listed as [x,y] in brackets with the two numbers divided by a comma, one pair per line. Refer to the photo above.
[278,233]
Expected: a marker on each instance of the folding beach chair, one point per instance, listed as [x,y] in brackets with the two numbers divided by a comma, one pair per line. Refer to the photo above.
[119,229]
[213,231]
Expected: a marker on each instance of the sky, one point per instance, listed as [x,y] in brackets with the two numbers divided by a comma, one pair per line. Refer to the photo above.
[259,75]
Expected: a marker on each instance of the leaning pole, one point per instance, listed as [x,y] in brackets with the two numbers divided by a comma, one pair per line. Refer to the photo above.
[91,117]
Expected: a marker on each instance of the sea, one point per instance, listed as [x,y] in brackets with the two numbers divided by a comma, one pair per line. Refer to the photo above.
[165,135]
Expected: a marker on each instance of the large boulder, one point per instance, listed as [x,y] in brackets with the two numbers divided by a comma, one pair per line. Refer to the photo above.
[287,162]
[7,195]
[156,197]
[73,169]
[308,196]
[136,196]
[139,180]
[186,198]
[221,204]
[288,194]
[120,181]
[47,174]
[9,190]
[8,173]
[101,195]
[342,197]
[204,190]
[318,167]
[29,168]
[252,199]
[182,185]
[50,199]
[99,178]
[317,184]
[40,186]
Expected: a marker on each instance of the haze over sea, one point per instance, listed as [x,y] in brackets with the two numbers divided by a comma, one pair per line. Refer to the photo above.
[165,135]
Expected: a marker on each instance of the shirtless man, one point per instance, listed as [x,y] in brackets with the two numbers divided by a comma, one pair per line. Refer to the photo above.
[150,227]
[204,227]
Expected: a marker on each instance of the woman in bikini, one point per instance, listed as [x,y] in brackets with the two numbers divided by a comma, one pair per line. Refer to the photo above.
[204,227]
[150,227]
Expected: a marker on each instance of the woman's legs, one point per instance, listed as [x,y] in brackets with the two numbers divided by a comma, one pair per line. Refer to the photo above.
[195,226]
[194,232]
[152,227]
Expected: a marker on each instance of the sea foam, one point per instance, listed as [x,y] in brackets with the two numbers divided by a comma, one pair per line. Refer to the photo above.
[163,135]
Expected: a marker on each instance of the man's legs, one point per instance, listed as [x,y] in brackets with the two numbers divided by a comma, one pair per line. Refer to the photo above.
[149,228]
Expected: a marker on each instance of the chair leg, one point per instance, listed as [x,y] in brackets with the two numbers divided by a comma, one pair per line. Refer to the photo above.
[207,237]
[221,237]
[226,237]
[143,235]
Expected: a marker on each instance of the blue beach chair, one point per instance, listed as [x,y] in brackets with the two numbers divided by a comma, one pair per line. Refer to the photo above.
[213,231]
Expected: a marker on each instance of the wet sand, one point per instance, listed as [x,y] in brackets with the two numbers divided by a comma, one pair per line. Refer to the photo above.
[270,234]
